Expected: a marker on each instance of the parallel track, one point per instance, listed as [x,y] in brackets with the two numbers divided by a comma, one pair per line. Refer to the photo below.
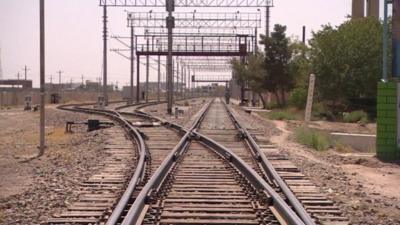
[123,170]
[216,174]
[197,184]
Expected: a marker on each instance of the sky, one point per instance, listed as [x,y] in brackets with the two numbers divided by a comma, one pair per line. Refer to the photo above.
[74,35]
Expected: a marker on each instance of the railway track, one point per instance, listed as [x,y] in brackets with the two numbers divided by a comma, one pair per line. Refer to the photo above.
[203,182]
[122,170]
[215,174]
[134,156]
[281,170]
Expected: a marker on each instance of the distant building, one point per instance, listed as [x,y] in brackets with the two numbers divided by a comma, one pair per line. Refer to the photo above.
[15,84]
[152,89]
[92,86]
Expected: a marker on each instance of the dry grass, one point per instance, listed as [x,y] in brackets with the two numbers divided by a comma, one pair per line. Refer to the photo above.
[58,135]
[343,148]
[313,138]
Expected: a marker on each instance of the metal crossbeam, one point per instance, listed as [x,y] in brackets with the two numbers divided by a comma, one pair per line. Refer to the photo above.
[212,44]
[121,53]
[196,59]
[204,31]
[195,19]
[210,68]
[183,36]
[218,64]
[193,50]
[188,3]
[210,79]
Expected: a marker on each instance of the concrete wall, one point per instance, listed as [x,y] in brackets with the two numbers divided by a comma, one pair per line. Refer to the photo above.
[359,142]
[17,97]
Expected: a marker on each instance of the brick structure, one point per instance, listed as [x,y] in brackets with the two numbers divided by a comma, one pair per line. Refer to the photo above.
[387,148]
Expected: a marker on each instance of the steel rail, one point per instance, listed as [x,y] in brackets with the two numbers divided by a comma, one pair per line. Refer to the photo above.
[156,180]
[140,169]
[159,175]
[281,206]
[270,170]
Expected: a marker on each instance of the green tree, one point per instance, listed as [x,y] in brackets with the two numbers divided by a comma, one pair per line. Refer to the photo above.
[257,75]
[252,73]
[277,55]
[239,70]
[347,60]
[299,68]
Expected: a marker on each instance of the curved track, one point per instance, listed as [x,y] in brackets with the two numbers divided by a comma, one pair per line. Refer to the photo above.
[212,173]
[267,207]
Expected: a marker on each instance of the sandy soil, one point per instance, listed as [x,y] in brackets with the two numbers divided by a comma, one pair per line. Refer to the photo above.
[30,191]
[364,186]
[340,127]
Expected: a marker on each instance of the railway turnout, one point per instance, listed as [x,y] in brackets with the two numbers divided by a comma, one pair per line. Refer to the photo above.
[213,172]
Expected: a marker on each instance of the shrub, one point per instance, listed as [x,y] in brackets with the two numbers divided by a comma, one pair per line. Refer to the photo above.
[281,115]
[355,116]
[271,105]
[312,138]
[322,112]
[298,98]
[343,148]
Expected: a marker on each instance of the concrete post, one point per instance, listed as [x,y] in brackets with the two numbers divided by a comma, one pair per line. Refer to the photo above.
[138,79]
[147,73]
[105,89]
[132,65]
[158,77]
[396,38]
[42,80]
[170,25]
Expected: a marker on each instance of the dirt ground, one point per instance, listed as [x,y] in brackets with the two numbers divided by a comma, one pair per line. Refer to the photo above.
[366,188]
[30,191]
[341,127]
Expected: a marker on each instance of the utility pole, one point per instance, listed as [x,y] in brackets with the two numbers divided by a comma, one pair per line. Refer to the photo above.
[170,25]
[82,80]
[158,77]
[138,79]
[26,72]
[267,17]
[59,77]
[42,80]
[1,67]
[105,55]
[255,39]
[132,60]
[185,80]
[147,69]
[51,79]
[385,42]
[177,78]
[18,76]
[182,79]
[189,80]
